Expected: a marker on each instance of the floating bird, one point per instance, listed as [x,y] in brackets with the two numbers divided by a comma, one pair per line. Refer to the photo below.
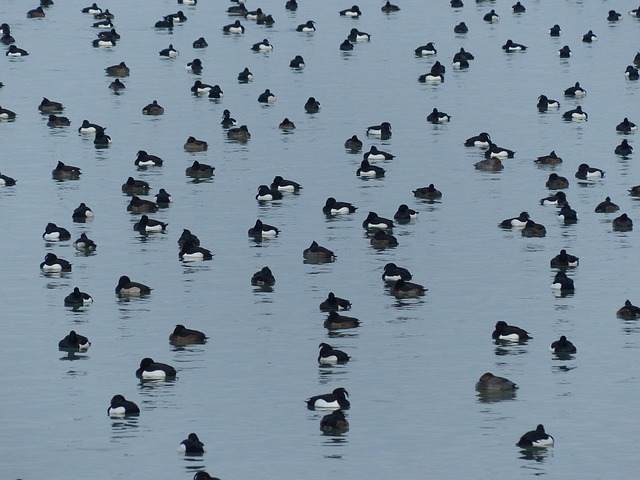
[121,407]
[564,260]
[503,331]
[535,438]
[185,336]
[334,400]
[489,382]
[74,342]
[334,303]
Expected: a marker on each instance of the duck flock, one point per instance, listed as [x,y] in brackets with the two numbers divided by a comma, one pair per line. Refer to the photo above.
[305,202]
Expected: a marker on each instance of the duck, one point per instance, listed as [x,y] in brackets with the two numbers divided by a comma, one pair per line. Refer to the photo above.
[163,197]
[48,106]
[562,282]
[622,223]
[375,155]
[263,278]
[563,346]
[190,252]
[491,17]
[334,207]
[624,149]
[240,133]
[101,138]
[286,124]
[499,152]
[245,76]
[335,321]
[392,273]
[37,12]
[6,181]
[200,88]
[84,244]
[402,288]
[551,159]
[307,27]
[533,229]
[120,407]
[266,194]
[634,191]
[195,66]
[334,400]
[555,31]
[456,4]
[492,164]
[557,199]
[518,8]
[626,126]
[334,422]
[482,140]
[53,233]
[585,171]
[58,121]
[628,311]
[575,91]
[431,77]
[74,342]
[169,52]
[312,105]
[577,114]
[297,62]
[535,438]
[283,185]
[291,5]
[106,23]
[460,61]
[263,46]
[153,109]
[14,51]
[545,104]
[351,12]
[88,128]
[389,7]
[139,205]
[119,70]
[266,97]
[438,117]
[82,212]
[53,264]
[404,213]
[635,12]
[564,260]
[589,37]
[373,221]
[182,335]
[117,85]
[189,239]
[104,14]
[150,370]
[263,230]
[239,10]
[565,52]
[613,16]
[520,221]
[194,145]
[489,382]
[381,239]
[199,170]
[429,192]
[93,9]
[632,73]
[383,130]
[332,303]
[556,182]
[126,287]
[165,23]
[227,121]
[425,50]
[110,35]
[511,46]
[607,206]
[367,170]
[5,31]
[200,43]
[346,45]
[149,225]
[356,35]
[567,214]
[255,14]
[104,42]
[330,356]
[318,252]
[144,159]
[504,331]
[266,20]
[192,445]
[235,27]
[461,28]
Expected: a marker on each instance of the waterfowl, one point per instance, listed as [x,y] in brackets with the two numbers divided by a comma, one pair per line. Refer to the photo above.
[195,66]
[488,381]
[74,342]
[622,223]
[153,109]
[199,87]
[245,76]
[392,273]
[216,92]
[120,407]
[383,130]
[556,182]
[263,230]
[635,12]
[291,5]
[93,9]
[163,197]
[14,51]
[389,7]
[335,321]
[563,346]
[503,331]
[461,28]
[628,311]
[567,214]
[149,225]
[6,181]
[555,31]
[255,14]
[165,23]
[624,149]
[564,260]
[500,152]
[427,49]
[65,172]
[189,239]
[307,27]
[84,243]
[575,91]
[577,115]
[194,253]
[192,445]
[373,221]
[482,140]
[54,233]
[589,37]
[263,278]
[144,159]
[357,36]
[518,8]
[297,62]
[551,159]
[200,43]
[265,20]
[334,303]
[334,400]
[169,52]
[101,138]
[58,121]
[88,128]
[367,170]
[460,61]
[381,239]
[533,229]
[456,4]
[263,46]
[48,106]
[6,37]
[239,10]
[235,27]
[585,171]
[312,105]
[266,194]
[403,288]
[317,252]
[227,121]
[117,85]
[106,23]
[491,17]
[635,191]
[37,12]
[82,212]
[266,97]
[438,117]
[119,70]
[53,264]
[286,124]
[139,205]
[351,12]
[185,336]
[429,193]
[376,155]
[404,213]
[104,42]
[537,438]
[562,282]
[632,73]
[283,185]
[334,422]
[492,164]
[557,199]
[431,77]
[354,143]
[333,207]
[520,221]
[104,14]
[613,16]
[346,45]
[126,287]
[194,145]
[607,206]
[330,356]
[511,46]
[626,126]
[240,133]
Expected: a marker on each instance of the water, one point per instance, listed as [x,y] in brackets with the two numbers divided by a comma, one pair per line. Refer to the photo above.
[414,411]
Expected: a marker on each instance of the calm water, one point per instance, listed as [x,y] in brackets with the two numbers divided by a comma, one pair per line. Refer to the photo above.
[414,412]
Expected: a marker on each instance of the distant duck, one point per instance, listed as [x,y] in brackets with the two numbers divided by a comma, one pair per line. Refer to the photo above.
[369,171]
[456,4]
[58,121]
[632,73]
[492,164]
[383,130]
[104,14]
[286,124]
[188,239]
[635,12]
[153,109]
[37,12]
[482,140]
[460,61]
[389,7]
[166,23]
[307,27]
[245,76]
[330,356]
[346,45]
[119,70]
[101,138]
[461,28]
[185,336]
[200,43]
[169,52]
[240,133]
[535,438]
[291,5]
[335,321]
[48,106]
[6,181]
[607,206]
[622,223]
[357,36]
[556,182]
[297,62]
[54,233]
[577,115]
[500,152]
[562,282]
[565,52]
[312,105]
[373,221]
[227,121]
[235,27]
[53,264]
[520,221]
[216,92]
[266,97]
[428,193]
[283,185]
[624,149]
[431,77]
[557,199]
[199,170]
[266,194]
[117,85]
[192,445]
[84,243]
[74,342]
[533,229]
[263,278]
[126,287]
[263,230]
[318,252]
[489,382]
[575,91]
[511,46]
[195,66]
[613,16]
[628,311]
[65,172]
[333,207]
[626,126]
[491,17]
[334,422]
[106,23]
[404,213]
[374,155]
[567,214]
[267,20]
[403,288]
[563,346]
[239,9]
[163,197]
[194,145]
[589,37]
[503,331]
[263,46]
[200,88]
[518,8]
[88,128]
[82,212]
[585,171]
[194,253]
[334,303]
[635,191]
[120,407]
[104,42]
[382,239]
[392,273]
[149,225]
[351,12]
[93,9]
[334,400]
[551,159]
[555,31]
[139,205]
[438,117]
[144,159]
[564,260]
[354,143]
[255,14]
[427,49]
[14,51]
[6,37]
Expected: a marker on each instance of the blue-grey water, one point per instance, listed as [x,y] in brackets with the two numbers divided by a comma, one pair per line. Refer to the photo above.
[414,364]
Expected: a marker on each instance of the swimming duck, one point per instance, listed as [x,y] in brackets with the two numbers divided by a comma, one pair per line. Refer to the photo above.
[632,73]
[194,145]
[375,155]
[144,159]
[456,4]
[518,8]
[255,14]
[429,193]
[200,43]
[346,45]
[126,287]
[265,20]
[149,225]
[169,52]
[227,121]
[575,91]
[235,27]
[577,115]
[286,124]
[461,28]
[163,197]
[84,243]
[291,5]
[589,37]
[283,185]
[82,212]
[37,12]
[263,230]
[194,253]
[607,206]
[245,76]
[351,12]
[334,303]
[556,182]
[334,422]
[624,149]
[520,221]
[199,170]
[563,346]
[491,17]
[74,342]
[240,133]
[613,16]
[567,214]
[120,407]
[628,311]
[622,223]
[65,172]
[189,239]
[92,9]
[312,105]
[14,51]
[6,181]
[565,52]
[356,35]
[511,46]
[333,207]
[354,143]
[562,282]
[239,10]
[139,205]
[200,88]
[557,199]
[263,46]
[438,117]
[545,104]
[431,77]
[535,438]
[330,356]
[489,381]
[117,85]
[389,7]
[626,126]
[499,152]
[585,171]
[533,229]
[104,14]
[317,252]
[53,264]
[88,128]
[381,239]
[106,23]
[101,138]
[403,288]
[424,50]
[367,170]
[297,62]
[460,61]
[56,121]
[48,106]
[263,278]
[492,164]
[266,97]
[555,31]
[392,273]
[335,321]
[165,23]
[404,213]
[383,130]
[53,233]
[551,159]
[185,336]
[104,42]
[192,445]
[334,400]
[153,109]
[266,194]
[564,260]
[195,66]
[503,331]
[307,27]
[373,221]
[482,140]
